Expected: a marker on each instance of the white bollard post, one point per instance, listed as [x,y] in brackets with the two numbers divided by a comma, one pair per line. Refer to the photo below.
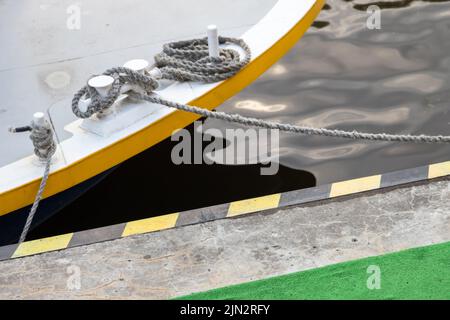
[101,83]
[213,41]
[39,119]
[138,65]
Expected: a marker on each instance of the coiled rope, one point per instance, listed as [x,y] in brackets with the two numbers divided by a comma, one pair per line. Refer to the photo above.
[190,61]
[44,148]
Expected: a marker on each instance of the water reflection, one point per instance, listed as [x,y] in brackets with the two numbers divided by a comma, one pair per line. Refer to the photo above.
[340,116]
[258,106]
[415,82]
[344,75]
[278,69]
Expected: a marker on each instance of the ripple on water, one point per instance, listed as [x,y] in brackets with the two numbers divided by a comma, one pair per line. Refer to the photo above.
[344,75]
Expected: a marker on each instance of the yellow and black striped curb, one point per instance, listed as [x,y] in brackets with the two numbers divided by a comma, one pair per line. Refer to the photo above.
[233,209]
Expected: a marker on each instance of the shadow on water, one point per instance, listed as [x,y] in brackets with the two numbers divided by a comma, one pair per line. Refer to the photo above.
[340,75]
[150,184]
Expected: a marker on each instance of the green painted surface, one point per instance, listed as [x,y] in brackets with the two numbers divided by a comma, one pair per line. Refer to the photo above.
[419,273]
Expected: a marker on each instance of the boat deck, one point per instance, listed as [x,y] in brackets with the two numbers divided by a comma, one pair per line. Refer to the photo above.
[222,252]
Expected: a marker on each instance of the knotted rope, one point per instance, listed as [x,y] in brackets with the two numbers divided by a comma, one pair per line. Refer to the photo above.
[43,142]
[44,148]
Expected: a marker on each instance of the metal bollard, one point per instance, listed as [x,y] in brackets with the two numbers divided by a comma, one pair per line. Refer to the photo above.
[138,65]
[102,84]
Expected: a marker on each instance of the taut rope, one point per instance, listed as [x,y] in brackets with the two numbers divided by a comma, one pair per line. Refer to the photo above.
[253,122]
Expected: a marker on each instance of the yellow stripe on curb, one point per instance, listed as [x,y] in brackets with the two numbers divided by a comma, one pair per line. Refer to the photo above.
[355,186]
[438,170]
[43,245]
[251,205]
[151,224]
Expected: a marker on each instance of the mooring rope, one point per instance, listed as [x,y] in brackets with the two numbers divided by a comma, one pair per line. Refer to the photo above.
[36,202]
[44,148]
[253,122]
[189,61]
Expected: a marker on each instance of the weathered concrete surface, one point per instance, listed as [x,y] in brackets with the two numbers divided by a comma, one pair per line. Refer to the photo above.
[196,258]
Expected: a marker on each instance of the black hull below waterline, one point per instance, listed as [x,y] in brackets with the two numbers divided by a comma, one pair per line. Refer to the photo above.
[11,224]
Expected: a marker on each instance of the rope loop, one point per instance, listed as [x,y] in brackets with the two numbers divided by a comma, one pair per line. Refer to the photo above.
[99,103]
[43,142]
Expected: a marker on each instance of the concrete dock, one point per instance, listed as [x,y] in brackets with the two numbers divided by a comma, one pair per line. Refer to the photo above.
[203,256]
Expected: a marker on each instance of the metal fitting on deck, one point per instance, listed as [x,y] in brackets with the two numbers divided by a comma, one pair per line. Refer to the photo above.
[41,136]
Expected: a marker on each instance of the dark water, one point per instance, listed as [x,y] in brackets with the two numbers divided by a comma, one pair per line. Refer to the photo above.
[343,75]
[340,75]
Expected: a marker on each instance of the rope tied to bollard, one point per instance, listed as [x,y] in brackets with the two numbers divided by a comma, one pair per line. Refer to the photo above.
[44,148]
[181,61]
[99,103]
